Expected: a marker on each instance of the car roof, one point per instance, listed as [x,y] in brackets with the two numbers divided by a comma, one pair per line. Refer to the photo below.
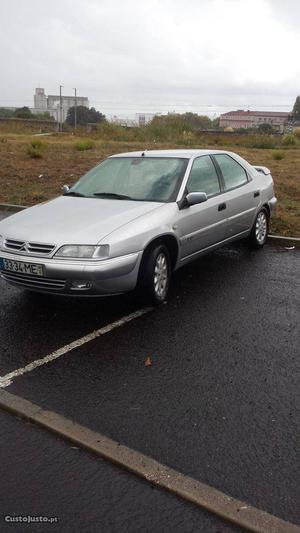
[186,153]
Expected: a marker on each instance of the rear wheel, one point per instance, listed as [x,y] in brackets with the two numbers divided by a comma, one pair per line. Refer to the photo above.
[155,274]
[260,229]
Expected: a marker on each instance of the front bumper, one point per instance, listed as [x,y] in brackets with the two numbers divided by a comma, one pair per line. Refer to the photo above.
[110,276]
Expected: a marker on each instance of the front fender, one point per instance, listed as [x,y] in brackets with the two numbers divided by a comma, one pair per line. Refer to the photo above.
[137,235]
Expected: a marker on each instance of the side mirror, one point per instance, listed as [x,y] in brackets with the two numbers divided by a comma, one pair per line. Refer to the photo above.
[65,189]
[193,198]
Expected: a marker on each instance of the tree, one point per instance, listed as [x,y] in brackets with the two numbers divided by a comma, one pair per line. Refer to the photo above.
[96,116]
[43,116]
[84,116]
[215,123]
[23,112]
[296,110]
[196,121]
[6,113]
[265,128]
[182,122]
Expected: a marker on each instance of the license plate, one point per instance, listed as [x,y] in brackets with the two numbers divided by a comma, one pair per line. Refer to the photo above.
[21,267]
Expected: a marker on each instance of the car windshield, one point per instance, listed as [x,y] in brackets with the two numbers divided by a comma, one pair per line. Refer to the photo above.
[152,179]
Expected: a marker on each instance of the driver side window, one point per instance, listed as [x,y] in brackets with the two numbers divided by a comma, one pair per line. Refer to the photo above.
[203,177]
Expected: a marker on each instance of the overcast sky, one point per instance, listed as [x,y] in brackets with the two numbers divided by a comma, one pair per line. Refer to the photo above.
[133,56]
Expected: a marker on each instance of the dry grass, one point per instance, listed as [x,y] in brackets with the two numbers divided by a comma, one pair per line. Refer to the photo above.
[28,181]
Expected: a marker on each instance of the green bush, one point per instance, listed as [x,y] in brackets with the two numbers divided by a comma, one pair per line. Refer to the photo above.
[265,128]
[278,155]
[265,143]
[289,139]
[80,146]
[34,153]
[37,144]
[35,149]
[297,132]
[23,112]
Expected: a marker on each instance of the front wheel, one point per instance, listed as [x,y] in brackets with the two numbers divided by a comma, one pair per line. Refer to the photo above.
[260,229]
[155,274]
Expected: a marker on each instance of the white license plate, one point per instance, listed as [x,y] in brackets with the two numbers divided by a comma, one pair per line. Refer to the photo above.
[21,267]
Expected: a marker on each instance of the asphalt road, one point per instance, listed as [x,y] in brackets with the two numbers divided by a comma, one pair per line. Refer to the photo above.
[43,475]
[220,401]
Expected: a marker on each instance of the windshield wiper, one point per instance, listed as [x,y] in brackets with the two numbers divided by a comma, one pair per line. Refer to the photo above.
[73,193]
[112,195]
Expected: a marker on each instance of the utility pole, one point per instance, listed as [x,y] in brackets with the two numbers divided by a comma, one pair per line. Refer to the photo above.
[75,110]
[60,108]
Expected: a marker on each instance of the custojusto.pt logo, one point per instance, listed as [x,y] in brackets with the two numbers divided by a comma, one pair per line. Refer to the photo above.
[30,519]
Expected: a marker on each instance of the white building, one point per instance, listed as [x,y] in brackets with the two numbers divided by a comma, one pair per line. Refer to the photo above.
[140,120]
[144,118]
[51,104]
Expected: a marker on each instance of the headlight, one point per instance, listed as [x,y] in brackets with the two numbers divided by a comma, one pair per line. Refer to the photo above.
[83,251]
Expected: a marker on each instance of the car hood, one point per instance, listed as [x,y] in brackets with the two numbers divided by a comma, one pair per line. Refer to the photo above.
[71,220]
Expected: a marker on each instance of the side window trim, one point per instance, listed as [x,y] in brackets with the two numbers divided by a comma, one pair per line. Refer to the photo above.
[221,173]
[219,176]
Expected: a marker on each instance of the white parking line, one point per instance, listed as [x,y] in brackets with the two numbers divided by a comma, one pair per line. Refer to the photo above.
[7,380]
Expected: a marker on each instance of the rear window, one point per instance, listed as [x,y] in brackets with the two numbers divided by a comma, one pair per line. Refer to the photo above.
[233,173]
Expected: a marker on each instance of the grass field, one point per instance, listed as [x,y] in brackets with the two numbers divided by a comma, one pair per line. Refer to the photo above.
[27,180]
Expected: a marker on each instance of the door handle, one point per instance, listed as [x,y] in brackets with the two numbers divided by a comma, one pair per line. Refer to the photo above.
[221,207]
[256,194]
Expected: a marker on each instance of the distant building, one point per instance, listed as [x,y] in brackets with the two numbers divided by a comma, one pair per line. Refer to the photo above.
[252,119]
[51,104]
[40,99]
[141,119]
[144,118]
[125,122]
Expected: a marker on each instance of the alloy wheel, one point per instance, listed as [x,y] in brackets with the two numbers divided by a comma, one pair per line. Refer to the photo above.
[161,275]
[261,227]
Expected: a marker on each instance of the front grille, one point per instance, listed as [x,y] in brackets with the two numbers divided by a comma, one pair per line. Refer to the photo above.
[33,282]
[34,248]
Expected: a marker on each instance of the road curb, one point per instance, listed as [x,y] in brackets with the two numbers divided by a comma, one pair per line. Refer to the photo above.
[281,240]
[12,207]
[149,469]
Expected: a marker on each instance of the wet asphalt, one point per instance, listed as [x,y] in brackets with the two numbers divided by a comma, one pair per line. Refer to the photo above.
[220,401]
[45,476]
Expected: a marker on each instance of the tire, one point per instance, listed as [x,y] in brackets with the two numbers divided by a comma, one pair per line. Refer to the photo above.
[260,229]
[155,274]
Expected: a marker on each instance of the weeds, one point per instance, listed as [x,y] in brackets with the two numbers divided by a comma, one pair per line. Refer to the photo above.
[18,172]
[289,140]
[265,143]
[278,155]
[297,132]
[37,144]
[35,149]
[81,146]
[34,153]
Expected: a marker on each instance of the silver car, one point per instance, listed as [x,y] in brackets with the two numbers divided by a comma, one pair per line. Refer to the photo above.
[134,219]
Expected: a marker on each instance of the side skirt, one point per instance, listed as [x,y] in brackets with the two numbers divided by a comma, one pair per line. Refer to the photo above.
[195,255]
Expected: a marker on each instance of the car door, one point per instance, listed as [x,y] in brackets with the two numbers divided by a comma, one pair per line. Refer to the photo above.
[241,198]
[202,225]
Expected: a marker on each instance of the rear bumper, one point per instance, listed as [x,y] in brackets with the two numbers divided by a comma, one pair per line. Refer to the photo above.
[272,203]
[111,276]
